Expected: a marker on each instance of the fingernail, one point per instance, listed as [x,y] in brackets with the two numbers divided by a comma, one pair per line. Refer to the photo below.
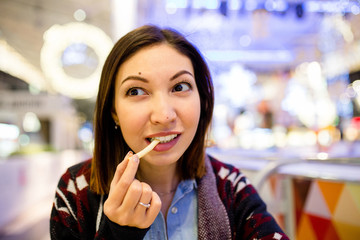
[128,155]
[134,158]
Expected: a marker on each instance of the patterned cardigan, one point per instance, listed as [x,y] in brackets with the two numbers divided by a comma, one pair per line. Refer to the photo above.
[228,208]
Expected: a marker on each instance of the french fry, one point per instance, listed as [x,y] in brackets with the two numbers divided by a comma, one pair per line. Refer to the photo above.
[147,149]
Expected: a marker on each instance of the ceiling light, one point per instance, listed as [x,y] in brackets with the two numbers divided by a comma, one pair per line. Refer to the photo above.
[57,40]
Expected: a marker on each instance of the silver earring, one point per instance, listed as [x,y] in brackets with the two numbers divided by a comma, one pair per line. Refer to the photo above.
[116,126]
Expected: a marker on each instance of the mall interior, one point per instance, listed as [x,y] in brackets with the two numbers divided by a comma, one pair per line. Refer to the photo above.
[286,75]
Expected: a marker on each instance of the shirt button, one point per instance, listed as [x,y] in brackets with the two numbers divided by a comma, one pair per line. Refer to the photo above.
[174,210]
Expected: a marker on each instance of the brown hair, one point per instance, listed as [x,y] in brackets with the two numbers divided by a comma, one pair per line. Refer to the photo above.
[110,147]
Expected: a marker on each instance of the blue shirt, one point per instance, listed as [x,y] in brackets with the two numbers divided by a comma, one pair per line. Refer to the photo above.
[181,218]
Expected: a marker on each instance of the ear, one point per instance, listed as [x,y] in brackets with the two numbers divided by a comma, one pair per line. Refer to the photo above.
[115,117]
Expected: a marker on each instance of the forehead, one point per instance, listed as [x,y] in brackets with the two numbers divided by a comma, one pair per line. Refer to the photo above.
[159,57]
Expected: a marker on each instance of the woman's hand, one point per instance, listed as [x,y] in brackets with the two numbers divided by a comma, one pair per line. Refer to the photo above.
[126,192]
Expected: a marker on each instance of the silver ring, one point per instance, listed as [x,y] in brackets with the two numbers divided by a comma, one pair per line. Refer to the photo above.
[144,204]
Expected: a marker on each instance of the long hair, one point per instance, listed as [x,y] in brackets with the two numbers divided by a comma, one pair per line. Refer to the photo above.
[110,147]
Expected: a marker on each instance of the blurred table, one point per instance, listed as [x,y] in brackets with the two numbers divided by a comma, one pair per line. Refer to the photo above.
[311,197]
[28,184]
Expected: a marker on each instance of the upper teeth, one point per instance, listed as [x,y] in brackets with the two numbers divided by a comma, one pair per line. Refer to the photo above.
[165,139]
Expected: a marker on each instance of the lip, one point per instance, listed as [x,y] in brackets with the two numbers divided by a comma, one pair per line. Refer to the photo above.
[162,134]
[161,147]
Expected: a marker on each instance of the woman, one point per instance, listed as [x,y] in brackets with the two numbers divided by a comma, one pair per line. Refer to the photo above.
[156,85]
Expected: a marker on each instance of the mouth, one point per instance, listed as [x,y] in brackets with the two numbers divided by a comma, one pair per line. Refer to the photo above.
[164,139]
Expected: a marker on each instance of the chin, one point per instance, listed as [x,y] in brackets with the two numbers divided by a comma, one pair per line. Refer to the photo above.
[162,159]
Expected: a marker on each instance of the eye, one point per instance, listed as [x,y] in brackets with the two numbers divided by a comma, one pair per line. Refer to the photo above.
[181,87]
[135,92]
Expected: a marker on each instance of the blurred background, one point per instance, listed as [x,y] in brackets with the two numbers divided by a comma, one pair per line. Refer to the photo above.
[287,90]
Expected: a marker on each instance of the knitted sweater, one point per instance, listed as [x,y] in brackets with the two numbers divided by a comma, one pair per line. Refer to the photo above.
[228,208]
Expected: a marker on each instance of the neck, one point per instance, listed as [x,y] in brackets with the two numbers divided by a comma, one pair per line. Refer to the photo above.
[163,180]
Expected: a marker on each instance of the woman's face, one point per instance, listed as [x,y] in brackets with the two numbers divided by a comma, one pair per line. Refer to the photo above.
[156,97]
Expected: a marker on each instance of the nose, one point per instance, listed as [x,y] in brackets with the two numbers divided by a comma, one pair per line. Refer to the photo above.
[162,110]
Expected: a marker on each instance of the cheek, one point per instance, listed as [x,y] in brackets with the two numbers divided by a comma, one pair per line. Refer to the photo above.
[130,121]
[192,114]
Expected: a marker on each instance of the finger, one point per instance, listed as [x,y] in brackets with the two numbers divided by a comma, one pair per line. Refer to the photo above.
[129,173]
[144,217]
[120,170]
[145,197]
[153,211]
[126,179]
[133,195]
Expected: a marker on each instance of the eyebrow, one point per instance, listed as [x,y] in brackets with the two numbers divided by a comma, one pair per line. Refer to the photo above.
[134,77]
[138,78]
[179,74]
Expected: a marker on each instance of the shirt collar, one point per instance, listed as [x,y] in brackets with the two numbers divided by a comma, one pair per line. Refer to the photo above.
[186,186]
